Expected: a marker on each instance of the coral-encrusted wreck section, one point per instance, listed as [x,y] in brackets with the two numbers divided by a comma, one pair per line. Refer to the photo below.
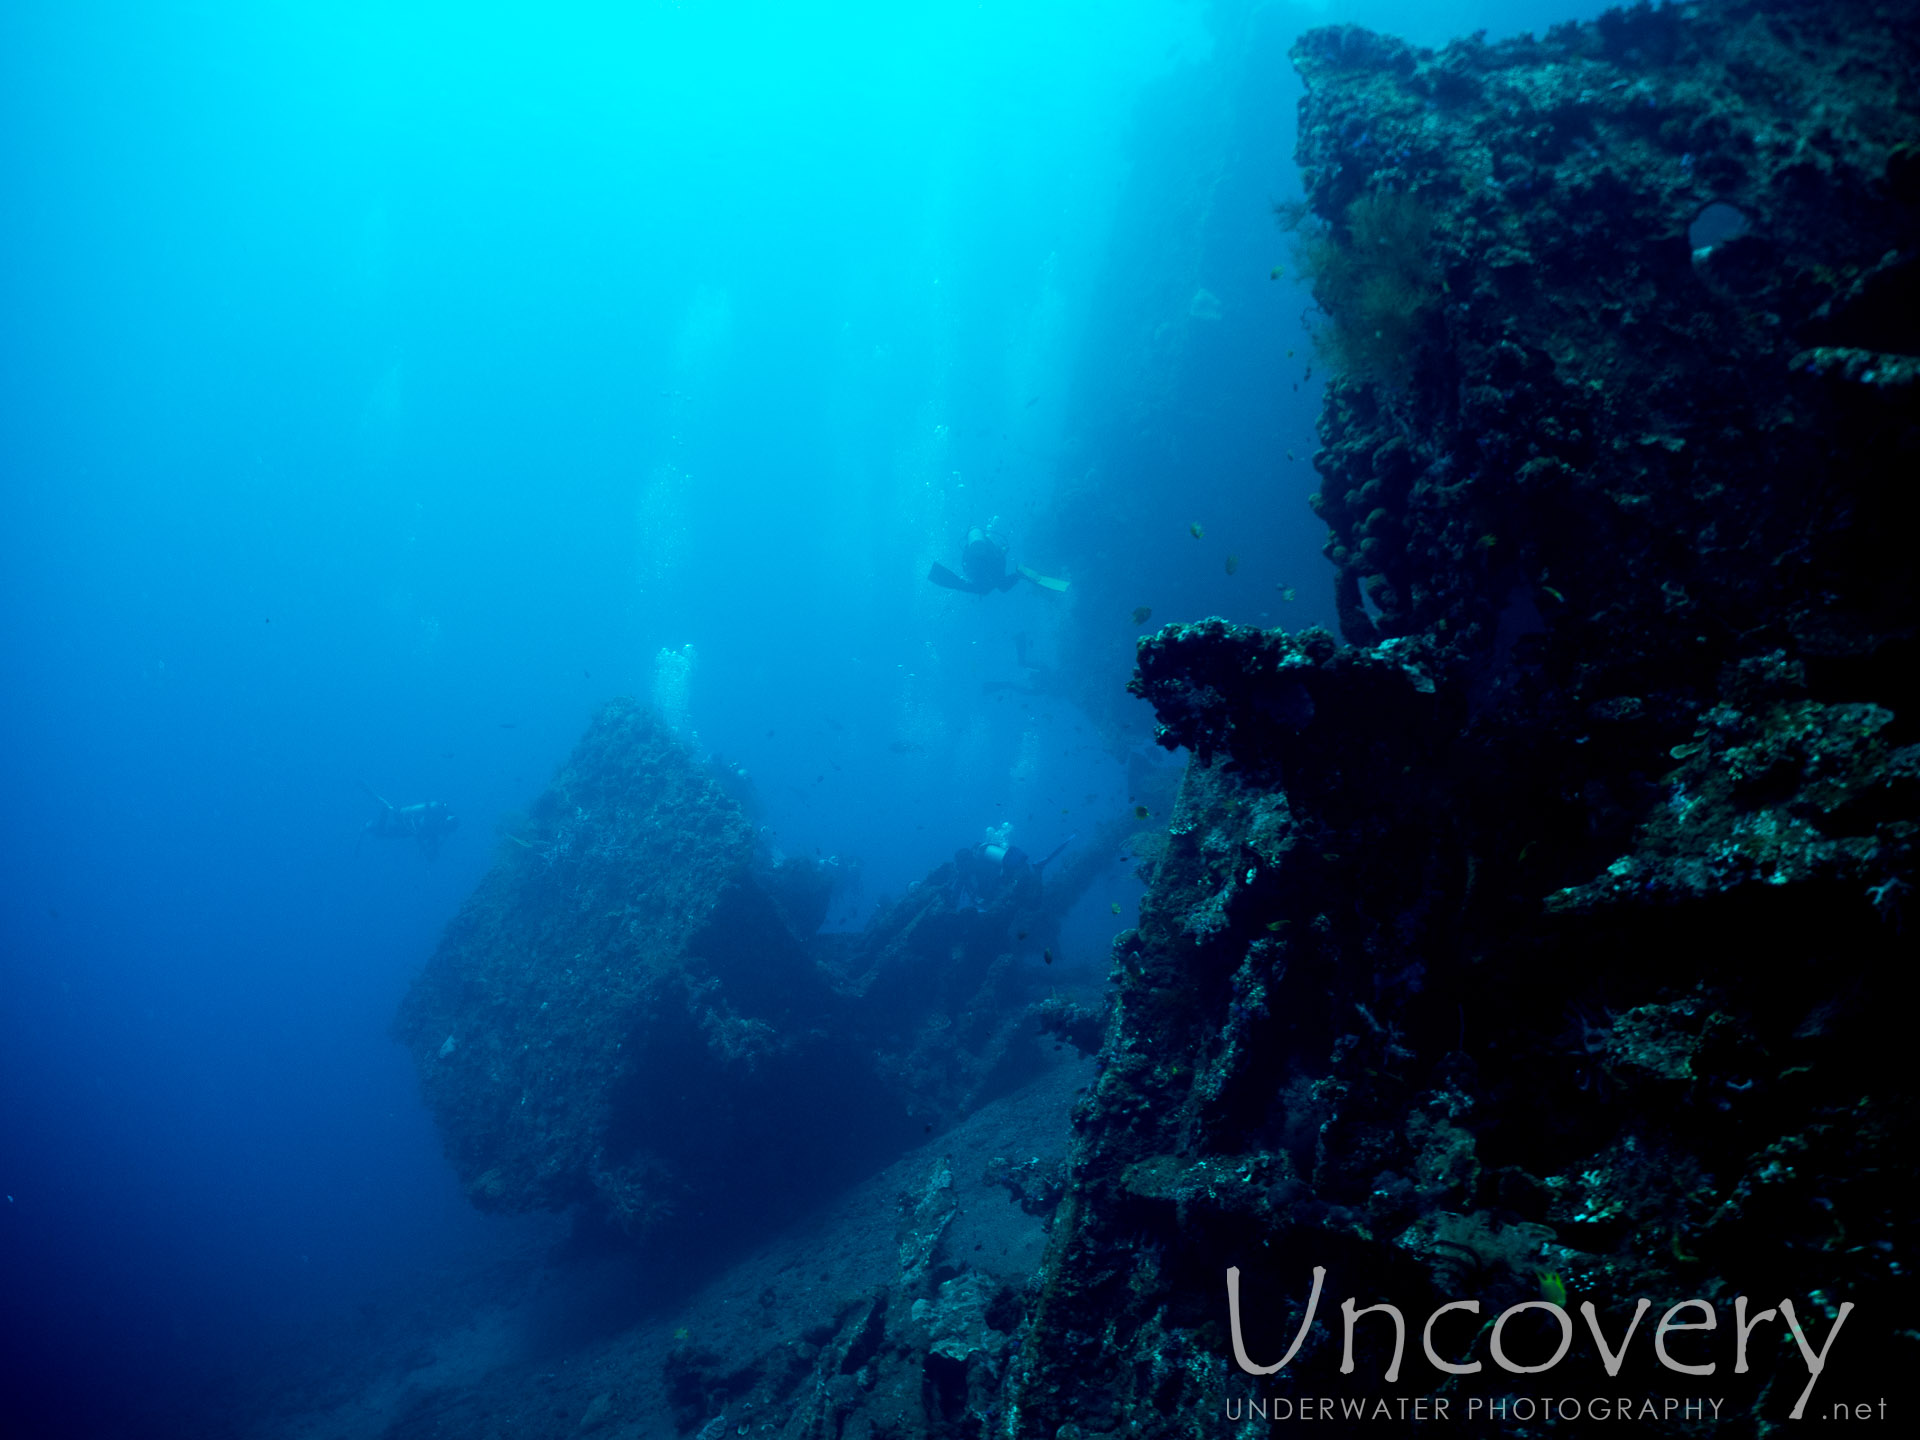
[1543,942]
[634,1010]
[1663,308]
[626,981]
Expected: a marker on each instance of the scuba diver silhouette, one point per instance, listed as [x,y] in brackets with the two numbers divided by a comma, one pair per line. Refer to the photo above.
[426,824]
[993,867]
[983,566]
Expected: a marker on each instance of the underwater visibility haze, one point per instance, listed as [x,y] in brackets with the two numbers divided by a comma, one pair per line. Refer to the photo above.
[618,534]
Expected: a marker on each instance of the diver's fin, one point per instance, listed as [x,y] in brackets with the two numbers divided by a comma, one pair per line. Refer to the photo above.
[1045,582]
[941,575]
[377,798]
[1054,853]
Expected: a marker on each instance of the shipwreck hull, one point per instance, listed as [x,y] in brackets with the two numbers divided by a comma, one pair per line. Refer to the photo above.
[1540,942]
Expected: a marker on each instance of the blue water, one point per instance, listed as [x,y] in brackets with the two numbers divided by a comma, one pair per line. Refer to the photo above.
[382,387]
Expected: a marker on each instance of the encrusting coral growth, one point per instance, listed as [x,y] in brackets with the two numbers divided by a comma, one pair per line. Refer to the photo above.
[1538,943]
[634,1007]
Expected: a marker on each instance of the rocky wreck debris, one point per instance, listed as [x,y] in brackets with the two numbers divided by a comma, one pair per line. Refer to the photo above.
[1539,944]
[634,1010]
[904,1314]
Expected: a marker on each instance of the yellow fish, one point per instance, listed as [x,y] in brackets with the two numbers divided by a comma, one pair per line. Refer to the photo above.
[1141,614]
[1115,907]
[1140,812]
[1286,591]
[1196,530]
[1233,563]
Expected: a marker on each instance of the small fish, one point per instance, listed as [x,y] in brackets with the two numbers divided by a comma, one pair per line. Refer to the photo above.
[1197,530]
[1115,907]
[1289,354]
[1289,455]
[1487,542]
[1557,596]
[1278,925]
[1141,614]
[1046,957]
[1140,812]
[1286,591]
[1233,563]
[1276,272]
